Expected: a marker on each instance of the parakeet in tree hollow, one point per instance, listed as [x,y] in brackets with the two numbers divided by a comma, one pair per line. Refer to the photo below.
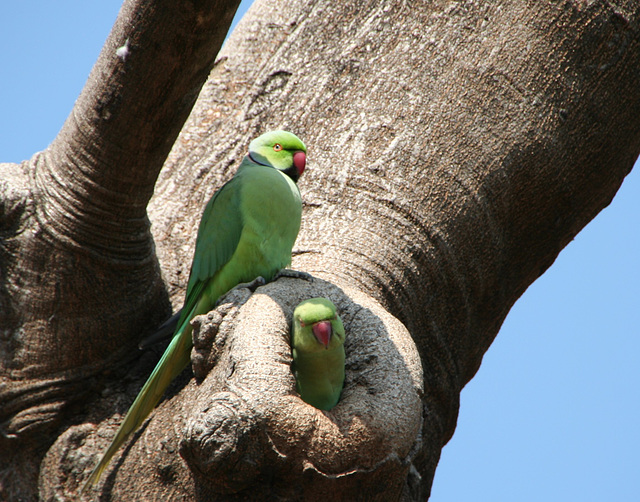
[317,344]
[247,230]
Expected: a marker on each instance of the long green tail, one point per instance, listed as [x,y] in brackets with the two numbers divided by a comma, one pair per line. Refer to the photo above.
[173,361]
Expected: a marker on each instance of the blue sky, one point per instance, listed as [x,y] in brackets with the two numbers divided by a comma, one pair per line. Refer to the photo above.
[554,412]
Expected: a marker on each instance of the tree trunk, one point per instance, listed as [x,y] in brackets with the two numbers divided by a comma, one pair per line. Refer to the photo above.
[454,149]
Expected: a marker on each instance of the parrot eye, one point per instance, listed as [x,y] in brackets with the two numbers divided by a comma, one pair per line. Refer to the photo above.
[301,323]
[277,147]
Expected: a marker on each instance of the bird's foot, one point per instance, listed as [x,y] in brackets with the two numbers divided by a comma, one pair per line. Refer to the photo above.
[251,286]
[293,274]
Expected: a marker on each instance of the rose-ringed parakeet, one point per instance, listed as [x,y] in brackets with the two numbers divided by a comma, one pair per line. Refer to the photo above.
[247,230]
[317,344]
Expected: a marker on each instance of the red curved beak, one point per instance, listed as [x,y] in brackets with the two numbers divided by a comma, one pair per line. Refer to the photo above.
[322,331]
[300,161]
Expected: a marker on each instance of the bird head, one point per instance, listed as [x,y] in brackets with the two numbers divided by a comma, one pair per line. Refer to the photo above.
[317,325]
[282,150]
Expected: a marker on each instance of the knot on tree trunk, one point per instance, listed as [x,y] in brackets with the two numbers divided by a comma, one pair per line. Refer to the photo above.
[223,444]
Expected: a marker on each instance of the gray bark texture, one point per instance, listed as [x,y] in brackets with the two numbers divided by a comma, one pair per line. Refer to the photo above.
[455,147]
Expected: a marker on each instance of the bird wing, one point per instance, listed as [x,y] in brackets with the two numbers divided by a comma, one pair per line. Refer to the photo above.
[218,237]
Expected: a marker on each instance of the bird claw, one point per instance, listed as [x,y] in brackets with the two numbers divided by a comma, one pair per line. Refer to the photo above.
[293,274]
[251,286]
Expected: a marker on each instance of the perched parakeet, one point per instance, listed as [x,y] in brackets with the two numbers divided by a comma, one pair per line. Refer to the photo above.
[317,344]
[247,230]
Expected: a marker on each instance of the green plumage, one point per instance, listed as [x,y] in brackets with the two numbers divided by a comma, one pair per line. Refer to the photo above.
[247,230]
[317,345]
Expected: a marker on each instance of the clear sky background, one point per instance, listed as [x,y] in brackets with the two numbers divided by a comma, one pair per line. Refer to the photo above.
[554,412]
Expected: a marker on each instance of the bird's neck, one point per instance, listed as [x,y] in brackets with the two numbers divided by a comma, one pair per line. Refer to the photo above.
[252,158]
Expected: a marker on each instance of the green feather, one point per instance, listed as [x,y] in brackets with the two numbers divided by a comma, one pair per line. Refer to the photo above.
[319,369]
[247,230]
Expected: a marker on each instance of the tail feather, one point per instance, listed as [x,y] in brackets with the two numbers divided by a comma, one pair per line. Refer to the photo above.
[173,361]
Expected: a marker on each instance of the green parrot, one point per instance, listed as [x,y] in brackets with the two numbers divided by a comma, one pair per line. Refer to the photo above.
[247,230]
[317,344]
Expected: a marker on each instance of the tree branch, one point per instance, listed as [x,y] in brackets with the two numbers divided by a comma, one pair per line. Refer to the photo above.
[80,282]
[100,171]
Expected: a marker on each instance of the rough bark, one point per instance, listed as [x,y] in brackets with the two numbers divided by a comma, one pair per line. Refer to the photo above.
[80,281]
[455,149]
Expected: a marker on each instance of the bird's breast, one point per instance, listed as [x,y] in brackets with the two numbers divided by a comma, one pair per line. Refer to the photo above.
[271,214]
